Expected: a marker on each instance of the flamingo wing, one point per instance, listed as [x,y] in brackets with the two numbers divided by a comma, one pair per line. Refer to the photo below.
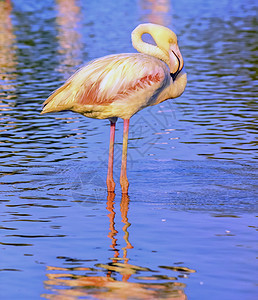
[108,79]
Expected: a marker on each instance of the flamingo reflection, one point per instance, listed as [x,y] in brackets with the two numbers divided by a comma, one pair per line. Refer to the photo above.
[69,285]
[156,11]
[8,63]
[8,60]
[69,37]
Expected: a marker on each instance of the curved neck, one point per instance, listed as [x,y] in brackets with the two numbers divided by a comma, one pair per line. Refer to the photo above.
[144,47]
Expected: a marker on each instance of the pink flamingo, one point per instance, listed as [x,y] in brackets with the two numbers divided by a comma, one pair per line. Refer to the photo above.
[120,85]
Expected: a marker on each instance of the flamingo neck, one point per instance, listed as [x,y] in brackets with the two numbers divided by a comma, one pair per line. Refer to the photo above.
[174,90]
[144,47]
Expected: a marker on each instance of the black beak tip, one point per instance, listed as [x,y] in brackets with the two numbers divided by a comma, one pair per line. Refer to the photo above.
[174,75]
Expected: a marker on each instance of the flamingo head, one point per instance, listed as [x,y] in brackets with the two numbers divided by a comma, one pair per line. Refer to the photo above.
[166,47]
[166,40]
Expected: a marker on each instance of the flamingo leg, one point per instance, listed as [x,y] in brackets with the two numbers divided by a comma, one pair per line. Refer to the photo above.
[110,180]
[123,177]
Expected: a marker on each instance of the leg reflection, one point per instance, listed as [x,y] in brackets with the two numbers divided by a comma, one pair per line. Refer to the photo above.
[111,280]
[113,232]
[124,207]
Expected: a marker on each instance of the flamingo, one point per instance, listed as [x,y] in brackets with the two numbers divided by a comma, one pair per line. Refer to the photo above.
[120,85]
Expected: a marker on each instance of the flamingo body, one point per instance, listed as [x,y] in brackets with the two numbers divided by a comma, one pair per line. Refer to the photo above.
[115,86]
[120,85]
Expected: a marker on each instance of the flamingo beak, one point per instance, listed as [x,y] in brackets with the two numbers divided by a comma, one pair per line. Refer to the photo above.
[176,61]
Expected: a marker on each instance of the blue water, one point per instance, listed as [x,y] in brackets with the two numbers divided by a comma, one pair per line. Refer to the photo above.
[188,229]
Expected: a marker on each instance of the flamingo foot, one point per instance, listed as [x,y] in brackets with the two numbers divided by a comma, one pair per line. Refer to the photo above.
[111,185]
[124,184]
